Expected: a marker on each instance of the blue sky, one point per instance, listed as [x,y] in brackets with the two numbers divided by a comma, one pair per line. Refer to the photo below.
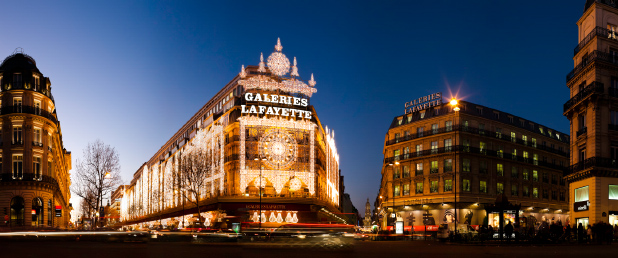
[131,73]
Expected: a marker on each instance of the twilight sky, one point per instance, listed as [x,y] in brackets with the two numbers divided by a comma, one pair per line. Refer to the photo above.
[131,73]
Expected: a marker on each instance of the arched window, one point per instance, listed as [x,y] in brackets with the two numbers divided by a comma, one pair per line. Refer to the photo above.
[17,211]
[37,212]
[49,213]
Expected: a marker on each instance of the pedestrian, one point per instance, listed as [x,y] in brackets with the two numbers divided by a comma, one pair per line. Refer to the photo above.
[589,234]
[490,231]
[580,233]
[567,233]
[508,230]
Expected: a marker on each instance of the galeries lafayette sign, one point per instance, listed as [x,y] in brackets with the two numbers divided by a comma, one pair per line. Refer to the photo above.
[276,111]
[423,103]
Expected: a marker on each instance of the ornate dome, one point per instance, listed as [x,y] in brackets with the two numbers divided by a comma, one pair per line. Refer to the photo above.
[18,62]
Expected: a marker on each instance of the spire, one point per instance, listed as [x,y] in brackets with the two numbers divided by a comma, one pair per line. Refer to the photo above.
[312,81]
[262,67]
[294,69]
[242,73]
[278,47]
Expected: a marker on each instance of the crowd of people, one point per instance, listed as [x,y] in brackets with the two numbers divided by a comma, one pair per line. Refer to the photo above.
[556,232]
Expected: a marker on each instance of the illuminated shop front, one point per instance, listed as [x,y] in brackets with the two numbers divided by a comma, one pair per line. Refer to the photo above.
[272,160]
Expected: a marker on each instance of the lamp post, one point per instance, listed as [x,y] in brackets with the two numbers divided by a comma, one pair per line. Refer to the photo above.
[393,215]
[260,187]
[455,105]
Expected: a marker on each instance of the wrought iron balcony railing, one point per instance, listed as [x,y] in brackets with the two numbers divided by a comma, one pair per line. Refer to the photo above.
[582,131]
[592,88]
[592,57]
[28,110]
[593,162]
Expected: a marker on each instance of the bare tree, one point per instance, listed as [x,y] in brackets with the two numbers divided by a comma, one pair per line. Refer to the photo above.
[98,174]
[194,170]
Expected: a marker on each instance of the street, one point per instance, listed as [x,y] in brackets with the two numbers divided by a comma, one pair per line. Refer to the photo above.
[361,249]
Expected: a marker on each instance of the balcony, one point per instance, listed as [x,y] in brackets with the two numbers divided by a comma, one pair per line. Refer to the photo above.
[433,171]
[592,88]
[593,162]
[17,142]
[8,177]
[28,110]
[592,57]
[582,131]
[35,143]
[597,31]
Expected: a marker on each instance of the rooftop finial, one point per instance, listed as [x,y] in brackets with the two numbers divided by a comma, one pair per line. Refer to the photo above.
[312,81]
[278,47]
[243,73]
[294,69]
[262,67]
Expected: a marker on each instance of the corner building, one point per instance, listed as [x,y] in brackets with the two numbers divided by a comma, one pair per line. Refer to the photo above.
[270,153]
[593,114]
[437,160]
[34,179]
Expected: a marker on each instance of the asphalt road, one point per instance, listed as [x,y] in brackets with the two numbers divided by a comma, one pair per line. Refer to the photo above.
[87,249]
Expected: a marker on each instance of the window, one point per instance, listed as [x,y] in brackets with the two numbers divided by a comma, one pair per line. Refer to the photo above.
[554,180]
[479,110]
[499,188]
[397,136]
[500,151]
[545,194]
[581,194]
[535,159]
[36,168]
[49,213]
[498,133]
[419,132]
[535,192]
[422,114]
[17,137]
[419,150]
[562,198]
[434,128]
[525,174]
[50,168]
[406,171]
[37,137]
[513,137]
[406,189]
[581,121]
[554,195]
[514,173]
[535,176]
[18,169]
[396,191]
[545,178]
[534,142]
[17,105]
[482,129]
[612,31]
[524,139]
[466,165]
[466,185]
[483,167]
[582,155]
[613,192]
[17,81]
[499,169]
[526,191]
[525,154]
[419,187]
[466,145]
[483,186]
[434,186]
[434,147]
[434,167]
[37,107]
[447,145]
[396,154]
[482,148]
[395,172]
[514,190]
[514,154]
[448,185]
[406,153]
[448,165]
[465,126]
[419,169]
[448,125]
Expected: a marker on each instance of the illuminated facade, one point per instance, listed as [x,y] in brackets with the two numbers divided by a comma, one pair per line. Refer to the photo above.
[593,113]
[34,166]
[263,136]
[436,159]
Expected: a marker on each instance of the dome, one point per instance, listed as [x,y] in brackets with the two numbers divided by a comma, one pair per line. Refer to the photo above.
[18,62]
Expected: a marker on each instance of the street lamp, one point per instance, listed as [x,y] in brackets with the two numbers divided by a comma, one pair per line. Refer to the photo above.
[260,187]
[455,105]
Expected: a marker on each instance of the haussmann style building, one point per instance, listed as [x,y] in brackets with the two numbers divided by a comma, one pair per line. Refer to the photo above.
[593,115]
[271,156]
[443,166]
[34,166]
